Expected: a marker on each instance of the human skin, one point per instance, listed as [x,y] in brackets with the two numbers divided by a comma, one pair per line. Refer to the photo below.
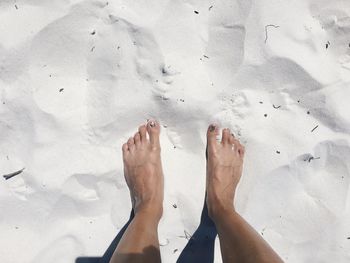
[239,242]
[144,176]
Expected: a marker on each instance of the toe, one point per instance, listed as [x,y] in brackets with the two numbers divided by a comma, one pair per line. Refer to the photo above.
[241,151]
[125,148]
[153,130]
[212,132]
[137,139]
[238,147]
[131,143]
[231,139]
[142,131]
[225,136]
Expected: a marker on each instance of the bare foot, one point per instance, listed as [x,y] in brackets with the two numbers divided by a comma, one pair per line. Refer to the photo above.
[143,170]
[224,169]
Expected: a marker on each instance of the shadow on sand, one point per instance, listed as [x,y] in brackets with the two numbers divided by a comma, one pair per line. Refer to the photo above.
[110,250]
[200,247]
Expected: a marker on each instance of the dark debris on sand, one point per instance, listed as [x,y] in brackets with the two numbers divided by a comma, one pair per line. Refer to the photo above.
[314,128]
[310,158]
[9,176]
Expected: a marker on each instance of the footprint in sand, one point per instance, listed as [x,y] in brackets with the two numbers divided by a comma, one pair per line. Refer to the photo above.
[125,62]
[225,47]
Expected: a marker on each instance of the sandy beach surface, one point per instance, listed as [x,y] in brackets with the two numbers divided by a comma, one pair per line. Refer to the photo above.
[78,77]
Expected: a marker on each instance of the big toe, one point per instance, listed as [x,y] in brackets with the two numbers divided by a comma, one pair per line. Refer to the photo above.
[212,132]
[153,129]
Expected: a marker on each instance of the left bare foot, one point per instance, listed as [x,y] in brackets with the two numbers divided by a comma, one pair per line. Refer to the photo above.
[143,170]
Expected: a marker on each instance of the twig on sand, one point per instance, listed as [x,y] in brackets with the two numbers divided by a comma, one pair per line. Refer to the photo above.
[314,128]
[187,235]
[8,176]
[266,36]
[310,158]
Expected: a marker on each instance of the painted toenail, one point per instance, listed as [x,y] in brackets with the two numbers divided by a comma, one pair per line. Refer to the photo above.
[212,128]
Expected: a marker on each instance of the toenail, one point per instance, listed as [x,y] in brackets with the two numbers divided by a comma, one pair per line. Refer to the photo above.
[233,135]
[212,128]
[152,124]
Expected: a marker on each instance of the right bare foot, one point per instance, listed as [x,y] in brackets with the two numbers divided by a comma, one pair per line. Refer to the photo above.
[224,170]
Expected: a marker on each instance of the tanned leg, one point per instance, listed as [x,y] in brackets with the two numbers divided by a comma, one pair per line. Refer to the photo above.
[238,240]
[144,177]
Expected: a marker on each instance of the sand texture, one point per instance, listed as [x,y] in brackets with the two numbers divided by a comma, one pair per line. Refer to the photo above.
[78,77]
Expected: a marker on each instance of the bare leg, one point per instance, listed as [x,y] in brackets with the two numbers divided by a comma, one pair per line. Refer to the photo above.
[238,240]
[144,177]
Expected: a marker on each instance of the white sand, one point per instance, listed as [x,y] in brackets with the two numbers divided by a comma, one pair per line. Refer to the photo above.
[186,70]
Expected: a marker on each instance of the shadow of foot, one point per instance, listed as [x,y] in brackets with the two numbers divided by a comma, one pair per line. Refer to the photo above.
[200,247]
[110,250]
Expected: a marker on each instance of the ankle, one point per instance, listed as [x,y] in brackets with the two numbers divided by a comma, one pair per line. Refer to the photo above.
[218,208]
[150,210]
